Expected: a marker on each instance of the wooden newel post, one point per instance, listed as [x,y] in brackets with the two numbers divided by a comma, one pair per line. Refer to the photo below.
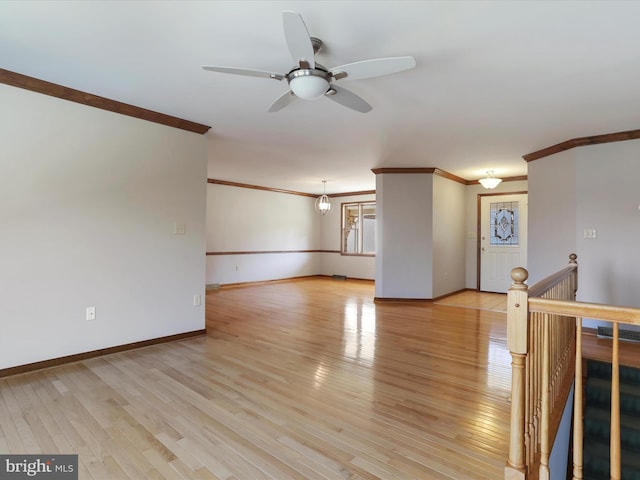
[517,342]
[573,260]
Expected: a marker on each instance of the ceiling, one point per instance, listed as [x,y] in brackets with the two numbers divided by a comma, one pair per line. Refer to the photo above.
[494,80]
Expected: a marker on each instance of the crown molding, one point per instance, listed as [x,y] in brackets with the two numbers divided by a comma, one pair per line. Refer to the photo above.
[288,192]
[351,194]
[258,187]
[581,142]
[378,171]
[450,176]
[440,173]
[414,170]
[72,95]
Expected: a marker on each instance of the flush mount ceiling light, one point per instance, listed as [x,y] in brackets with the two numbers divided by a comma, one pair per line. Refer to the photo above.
[490,181]
[323,205]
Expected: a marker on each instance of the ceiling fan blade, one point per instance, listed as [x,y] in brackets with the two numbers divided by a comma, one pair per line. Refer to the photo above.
[349,99]
[373,68]
[298,39]
[282,102]
[244,71]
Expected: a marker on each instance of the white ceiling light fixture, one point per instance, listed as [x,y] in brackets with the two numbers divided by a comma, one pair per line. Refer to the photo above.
[490,181]
[309,84]
[323,204]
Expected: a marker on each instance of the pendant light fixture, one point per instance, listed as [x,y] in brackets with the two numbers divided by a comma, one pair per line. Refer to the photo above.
[323,205]
[490,181]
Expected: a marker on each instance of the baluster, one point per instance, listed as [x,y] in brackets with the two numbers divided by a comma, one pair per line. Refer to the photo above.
[554,329]
[555,338]
[577,407]
[615,407]
[529,431]
[537,380]
[573,260]
[533,399]
[553,361]
[544,430]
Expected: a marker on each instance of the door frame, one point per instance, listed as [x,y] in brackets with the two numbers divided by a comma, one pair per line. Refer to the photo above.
[479,227]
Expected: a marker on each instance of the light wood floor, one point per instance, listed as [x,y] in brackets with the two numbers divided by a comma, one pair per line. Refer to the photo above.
[295,380]
[496,302]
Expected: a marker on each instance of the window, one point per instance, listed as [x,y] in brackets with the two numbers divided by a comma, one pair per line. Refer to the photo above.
[504,223]
[358,232]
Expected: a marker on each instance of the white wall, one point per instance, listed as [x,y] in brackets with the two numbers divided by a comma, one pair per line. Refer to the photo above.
[471,215]
[552,214]
[230,269]
[250,220]
[352,266]
[404,236]
[607,197]
[588,187]
[448,236]
[334,263]
[88,201]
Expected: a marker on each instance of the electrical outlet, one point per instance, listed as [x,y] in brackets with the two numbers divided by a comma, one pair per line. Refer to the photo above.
[197,300]
[91,313]
[590,233]
[179,228]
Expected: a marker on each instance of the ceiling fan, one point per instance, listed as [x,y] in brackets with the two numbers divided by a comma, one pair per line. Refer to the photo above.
[310,80]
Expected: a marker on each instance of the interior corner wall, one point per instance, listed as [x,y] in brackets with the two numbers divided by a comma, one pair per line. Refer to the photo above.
[448,228]
[404,236]
[590,187]
[552,214]
[471,228]
[245,229]
[608,199]
[88,204]
[331,261]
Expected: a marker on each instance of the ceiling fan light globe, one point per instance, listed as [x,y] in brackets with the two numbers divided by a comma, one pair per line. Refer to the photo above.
[309,87]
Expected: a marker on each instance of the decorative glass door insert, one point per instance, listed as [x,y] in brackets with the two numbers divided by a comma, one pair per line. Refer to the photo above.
[504,223]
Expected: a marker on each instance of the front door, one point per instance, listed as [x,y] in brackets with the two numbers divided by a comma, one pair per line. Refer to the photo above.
[503,239]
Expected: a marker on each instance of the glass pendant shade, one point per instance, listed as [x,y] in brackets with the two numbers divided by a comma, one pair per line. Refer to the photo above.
[323,204]
[490,181]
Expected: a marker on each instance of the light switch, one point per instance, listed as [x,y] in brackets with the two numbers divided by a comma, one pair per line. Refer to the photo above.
[179,228]
[590,233]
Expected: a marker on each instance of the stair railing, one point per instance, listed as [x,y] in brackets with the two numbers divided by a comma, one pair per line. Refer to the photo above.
[544,335]
[542,349]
